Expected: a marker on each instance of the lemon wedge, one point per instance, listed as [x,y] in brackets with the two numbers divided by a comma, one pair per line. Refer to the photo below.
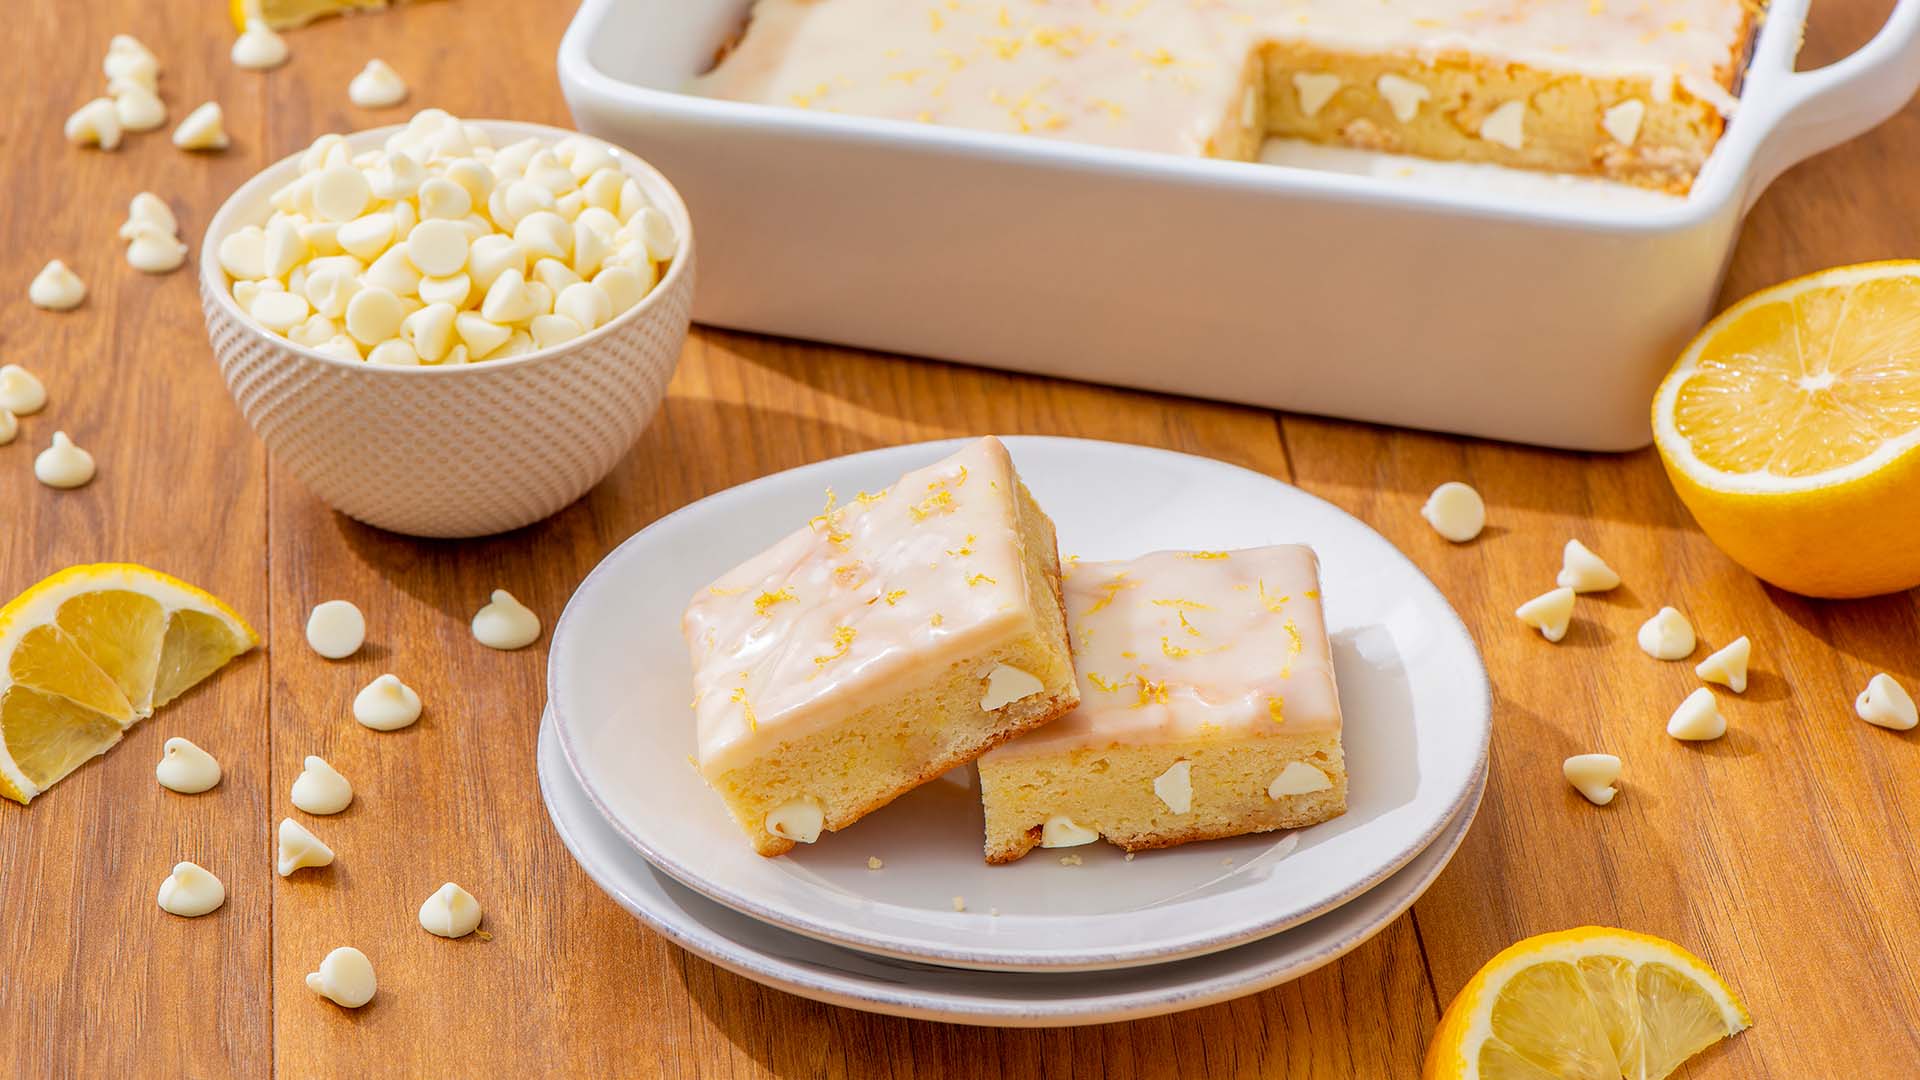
[1791,429]
[89,651]
[1586,1004]
[289,14]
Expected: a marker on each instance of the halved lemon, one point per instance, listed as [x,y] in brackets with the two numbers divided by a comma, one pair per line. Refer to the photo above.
[1791,429]
[89,651]
[1592,1003]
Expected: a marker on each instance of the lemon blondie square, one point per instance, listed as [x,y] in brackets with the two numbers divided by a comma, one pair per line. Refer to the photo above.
[1208,709]
[897,635]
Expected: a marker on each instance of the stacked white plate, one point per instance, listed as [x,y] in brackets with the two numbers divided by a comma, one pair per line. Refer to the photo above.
[931,931]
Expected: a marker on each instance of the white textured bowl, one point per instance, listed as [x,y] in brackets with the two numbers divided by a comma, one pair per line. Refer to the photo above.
[451,451]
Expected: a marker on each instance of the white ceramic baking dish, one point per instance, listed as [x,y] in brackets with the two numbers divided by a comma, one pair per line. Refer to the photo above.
[1537,320]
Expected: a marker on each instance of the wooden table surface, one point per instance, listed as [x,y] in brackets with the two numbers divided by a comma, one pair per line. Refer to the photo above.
[1781,853]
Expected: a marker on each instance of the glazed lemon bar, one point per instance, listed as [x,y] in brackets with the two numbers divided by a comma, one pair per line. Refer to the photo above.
[1635,90]
[1208,709]
[897,635]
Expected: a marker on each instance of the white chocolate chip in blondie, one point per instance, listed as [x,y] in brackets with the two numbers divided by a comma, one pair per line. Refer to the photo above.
[1175,787]
[1593,776]
[21,393]
[299,849]
[1403,95]
[1315,89]
[505,623]
[191,891]
[1667,636]
[1698,718]
[1728,667]
[451,912]
[345,978]
[336,629]
[1550,613]
[386,704]
[1007,684]
[799,820]
[320,789]
[1062,831]
[56,288]
[1583,571]
[1506,125]
[1455,511]
[1885,703]
[1298,778]
[1622,121]
[186,768]
[63,465]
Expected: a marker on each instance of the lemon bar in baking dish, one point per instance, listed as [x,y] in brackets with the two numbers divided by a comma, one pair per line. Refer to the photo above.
[896,635]
[1634,90]
[1207,709]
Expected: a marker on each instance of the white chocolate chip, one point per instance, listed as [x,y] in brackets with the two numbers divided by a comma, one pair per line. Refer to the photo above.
[377,86]
[56,288]
[63,465]
[1506,125]
[1062,831]
[430,331]
[320,789]
[1175,787]
[1583,571]
[584,303]
[1622,121]
[1728,667]
[1885,703]
[258,48]
[97,123]
[1298,778]
[438,247]
[154,252]
[345,978]
[205,128]
[299,849]
[1698,718]
[190,891]
[480,335]
[1315,90]
[147,210]
[656,231]
[336,629]
[1403,94]
[1550,613]
[551,330]
[623,285]
[799,820]
[21,393]
[374,315]
[1007,684]
[9,427]
[505,623]
[138,108]
[1455,511]
[1593,775]
[386,704]
[451,912]
[186,768]
[1667,636]
[340,193]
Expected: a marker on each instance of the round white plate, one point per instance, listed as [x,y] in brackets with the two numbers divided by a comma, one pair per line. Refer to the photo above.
[837,976]
[1413,692]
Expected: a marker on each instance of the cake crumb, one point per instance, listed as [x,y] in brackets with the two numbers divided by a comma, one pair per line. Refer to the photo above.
[1226,862]
[1070,860]
[874,863]
[959,903]
[994,912]
[1129,856]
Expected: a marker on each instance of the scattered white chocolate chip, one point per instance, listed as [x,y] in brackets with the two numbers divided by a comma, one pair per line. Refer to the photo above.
[56,288]
[299,849]
[186,768]
[1315,89]
[1698,718]
[1007,684]
[874,863]
[1403,94]
[1506,125]
[386,704]
[258,48]
[1583,571]
[505,623]
[377,86]
[154,252]
[1455,511]
[1885,703]
[336,629]
[21,393]
[205,128]
[191,891]
[345,978]
[148,210]
[1622,121]
[130,63]
[1728,667]
[320,789]
[1175,787]
[63,465]
[799,820]
[1298,778]
[1550,613]
[97,123]
[1062,831]
[1667,636]
[9,427]
[1593,776]
[451,912]
[138,108]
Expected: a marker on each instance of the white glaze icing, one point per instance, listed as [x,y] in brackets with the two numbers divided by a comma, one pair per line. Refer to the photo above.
[875,588]
[1179,645]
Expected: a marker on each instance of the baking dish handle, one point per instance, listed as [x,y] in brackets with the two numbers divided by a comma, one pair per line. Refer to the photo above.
[1820,109]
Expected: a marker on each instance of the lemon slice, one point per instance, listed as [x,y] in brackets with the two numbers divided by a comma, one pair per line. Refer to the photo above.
[1587,1004]
[1791,429]
[289,14]
[89,651]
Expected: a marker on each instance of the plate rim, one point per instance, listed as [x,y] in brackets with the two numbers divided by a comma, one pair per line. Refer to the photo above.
[1002,959]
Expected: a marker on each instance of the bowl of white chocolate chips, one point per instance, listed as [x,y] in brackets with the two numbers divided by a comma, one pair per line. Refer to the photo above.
[448,327]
